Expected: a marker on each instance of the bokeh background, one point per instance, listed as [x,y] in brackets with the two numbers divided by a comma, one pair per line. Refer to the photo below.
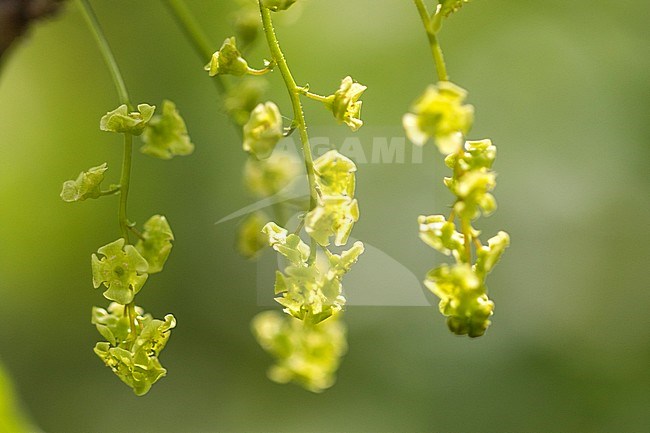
[560,86]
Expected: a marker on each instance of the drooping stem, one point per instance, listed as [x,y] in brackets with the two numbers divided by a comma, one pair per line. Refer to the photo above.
[123,95]
[299,115]
[436,50]
[125,180]
[105,49]
[194,32]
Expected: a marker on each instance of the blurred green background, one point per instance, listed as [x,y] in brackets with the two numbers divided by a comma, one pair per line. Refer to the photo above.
[561,87]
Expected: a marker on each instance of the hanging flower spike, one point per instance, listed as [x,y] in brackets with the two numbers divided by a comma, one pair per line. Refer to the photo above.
[122,270]
[87,185]
[228,60]
[335,174]
[120,120]
[165,136]
[439,113]
[156,244]
[267,177]
[278,5]
[263,130]
[463,298]
[345,103]
[306,354]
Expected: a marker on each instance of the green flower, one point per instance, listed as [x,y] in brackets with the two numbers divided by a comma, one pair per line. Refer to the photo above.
[244,96]
[156,243]
[289,245]
[228,60]
[166,135]
[250,239]
[345,103]
[473,192]
[334,216]
[122,270]
[441,235]
[120,120]
[267,177]
[477,155]
[87,185]
[133,360]
[306,354]
[439,113]
[263,130]
[335,174]
[278,5]
[448,7]
[463,298]
[488,256]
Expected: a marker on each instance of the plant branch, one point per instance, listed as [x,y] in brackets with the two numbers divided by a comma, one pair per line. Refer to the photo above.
[106,51]
[436,50]
[299,115]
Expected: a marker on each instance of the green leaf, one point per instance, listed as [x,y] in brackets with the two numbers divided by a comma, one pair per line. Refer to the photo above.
[156,245]
[165,136]
[87,185]
[120,120]
[121,269]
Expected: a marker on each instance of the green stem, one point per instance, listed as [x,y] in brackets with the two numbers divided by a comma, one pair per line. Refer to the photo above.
[105,49]
[194,32]
[294,96]
[436,50]
[125,180]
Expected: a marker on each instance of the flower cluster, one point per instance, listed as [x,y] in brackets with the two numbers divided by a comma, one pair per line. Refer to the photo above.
[440,113]
[133,356]
[308,354]
[311,291]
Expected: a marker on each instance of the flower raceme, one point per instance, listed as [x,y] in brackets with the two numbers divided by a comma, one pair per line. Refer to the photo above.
[442,115]
[134,339]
